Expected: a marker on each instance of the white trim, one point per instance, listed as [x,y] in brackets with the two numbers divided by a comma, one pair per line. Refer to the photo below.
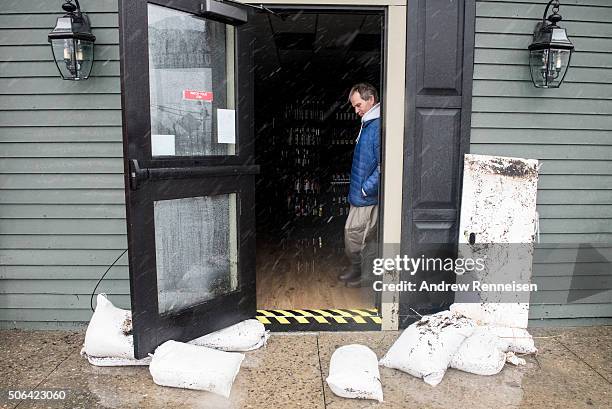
[393,163]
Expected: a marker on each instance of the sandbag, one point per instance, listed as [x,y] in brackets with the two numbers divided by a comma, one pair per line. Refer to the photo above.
[182,365]
[426,347]
[482,353]
[514,360]
[244,336]
[518,340]
[353,373]
[114,361]
[513,315]
[108,339]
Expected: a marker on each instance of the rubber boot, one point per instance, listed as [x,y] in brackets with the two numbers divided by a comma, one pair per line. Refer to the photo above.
[351,273]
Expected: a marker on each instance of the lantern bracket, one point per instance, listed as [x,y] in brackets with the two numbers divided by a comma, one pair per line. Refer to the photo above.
[555,15]
[70,8]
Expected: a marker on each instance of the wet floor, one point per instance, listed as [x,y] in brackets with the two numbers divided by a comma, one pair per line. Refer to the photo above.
[572,370]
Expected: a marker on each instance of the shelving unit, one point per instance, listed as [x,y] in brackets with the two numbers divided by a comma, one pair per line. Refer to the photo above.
[308,160]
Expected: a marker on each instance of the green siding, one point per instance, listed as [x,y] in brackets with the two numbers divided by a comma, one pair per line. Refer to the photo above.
[568,129]
[62,211]
[62,215]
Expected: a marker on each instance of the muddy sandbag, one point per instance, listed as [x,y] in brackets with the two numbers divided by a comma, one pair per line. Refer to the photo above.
[426,347]
[108,339]
[511,358]
[188,366]
[353,373]
[518,340]
[482,353]
[513,315]
[244,336]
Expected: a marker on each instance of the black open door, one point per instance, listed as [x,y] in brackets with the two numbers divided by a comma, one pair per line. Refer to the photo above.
[189,172]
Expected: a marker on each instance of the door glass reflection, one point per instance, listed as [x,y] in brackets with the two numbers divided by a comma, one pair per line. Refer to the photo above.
[196,250]
[191,81]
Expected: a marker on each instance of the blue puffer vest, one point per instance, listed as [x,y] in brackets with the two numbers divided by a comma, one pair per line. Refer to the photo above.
[365,172]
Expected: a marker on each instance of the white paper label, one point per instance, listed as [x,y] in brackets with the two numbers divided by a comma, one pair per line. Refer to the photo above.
[162,145]
[226,125]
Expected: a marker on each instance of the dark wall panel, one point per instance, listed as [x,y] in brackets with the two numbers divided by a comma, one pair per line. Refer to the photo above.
[434,231]
[439,66]
[436,159]
[440,38]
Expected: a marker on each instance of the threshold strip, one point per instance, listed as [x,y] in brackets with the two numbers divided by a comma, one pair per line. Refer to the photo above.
[335,319]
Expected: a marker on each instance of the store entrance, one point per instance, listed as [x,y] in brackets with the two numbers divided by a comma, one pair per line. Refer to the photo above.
[305,64]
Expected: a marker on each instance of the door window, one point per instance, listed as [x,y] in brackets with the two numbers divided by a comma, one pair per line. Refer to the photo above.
[191,84]
[196,250]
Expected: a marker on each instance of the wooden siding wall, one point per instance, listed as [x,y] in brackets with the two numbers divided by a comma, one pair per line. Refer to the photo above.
[62,215]
[569,129]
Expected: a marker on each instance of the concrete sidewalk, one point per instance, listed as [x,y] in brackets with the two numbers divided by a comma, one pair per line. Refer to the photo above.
[572,370]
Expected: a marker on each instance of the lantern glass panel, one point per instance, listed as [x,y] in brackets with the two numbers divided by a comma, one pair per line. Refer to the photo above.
[548,66]
[63,54]
[84,58]
[74,58]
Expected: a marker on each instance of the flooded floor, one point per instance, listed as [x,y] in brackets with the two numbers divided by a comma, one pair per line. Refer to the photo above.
[572,370]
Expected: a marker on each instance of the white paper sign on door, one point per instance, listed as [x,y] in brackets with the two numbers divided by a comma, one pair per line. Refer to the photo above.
[226,126]
[163,145]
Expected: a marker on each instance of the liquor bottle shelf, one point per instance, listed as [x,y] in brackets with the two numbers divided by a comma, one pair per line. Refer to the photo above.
[308,156]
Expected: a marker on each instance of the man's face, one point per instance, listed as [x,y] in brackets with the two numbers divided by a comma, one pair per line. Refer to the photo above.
[361,105]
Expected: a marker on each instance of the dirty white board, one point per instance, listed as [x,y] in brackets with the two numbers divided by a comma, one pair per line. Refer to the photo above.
[498,222]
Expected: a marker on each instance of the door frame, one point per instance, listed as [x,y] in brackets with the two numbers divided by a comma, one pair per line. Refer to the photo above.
[392,132]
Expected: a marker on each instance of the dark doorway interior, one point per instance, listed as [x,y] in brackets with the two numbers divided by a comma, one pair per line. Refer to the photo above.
[305,64]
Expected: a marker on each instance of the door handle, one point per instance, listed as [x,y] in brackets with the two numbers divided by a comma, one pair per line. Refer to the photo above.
[138,174]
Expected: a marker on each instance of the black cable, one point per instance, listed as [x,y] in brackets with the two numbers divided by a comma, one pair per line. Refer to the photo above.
[102,278]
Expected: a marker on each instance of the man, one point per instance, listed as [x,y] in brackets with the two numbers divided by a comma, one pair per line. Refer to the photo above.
[361,225]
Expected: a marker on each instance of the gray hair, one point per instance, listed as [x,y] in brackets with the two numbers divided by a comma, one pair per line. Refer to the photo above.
[366,91]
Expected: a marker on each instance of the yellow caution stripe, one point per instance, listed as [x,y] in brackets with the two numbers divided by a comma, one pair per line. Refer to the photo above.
[319,316]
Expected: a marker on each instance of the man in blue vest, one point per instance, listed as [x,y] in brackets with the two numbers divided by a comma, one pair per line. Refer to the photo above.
[361,225]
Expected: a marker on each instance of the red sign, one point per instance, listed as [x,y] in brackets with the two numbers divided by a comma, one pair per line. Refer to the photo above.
[190,94]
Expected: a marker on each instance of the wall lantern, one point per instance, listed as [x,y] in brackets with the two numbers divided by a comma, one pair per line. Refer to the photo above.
[551,50]
[72,43]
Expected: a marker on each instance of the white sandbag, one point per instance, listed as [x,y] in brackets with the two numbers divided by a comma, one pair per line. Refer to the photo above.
[353,373]
[108,339]
[244,336]
[514,360]
[426,347]
[518,340]
[187,366]
[114,361]
[482,353]
[513,315]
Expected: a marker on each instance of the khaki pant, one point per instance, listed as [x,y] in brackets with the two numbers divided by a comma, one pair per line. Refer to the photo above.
[360,231]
